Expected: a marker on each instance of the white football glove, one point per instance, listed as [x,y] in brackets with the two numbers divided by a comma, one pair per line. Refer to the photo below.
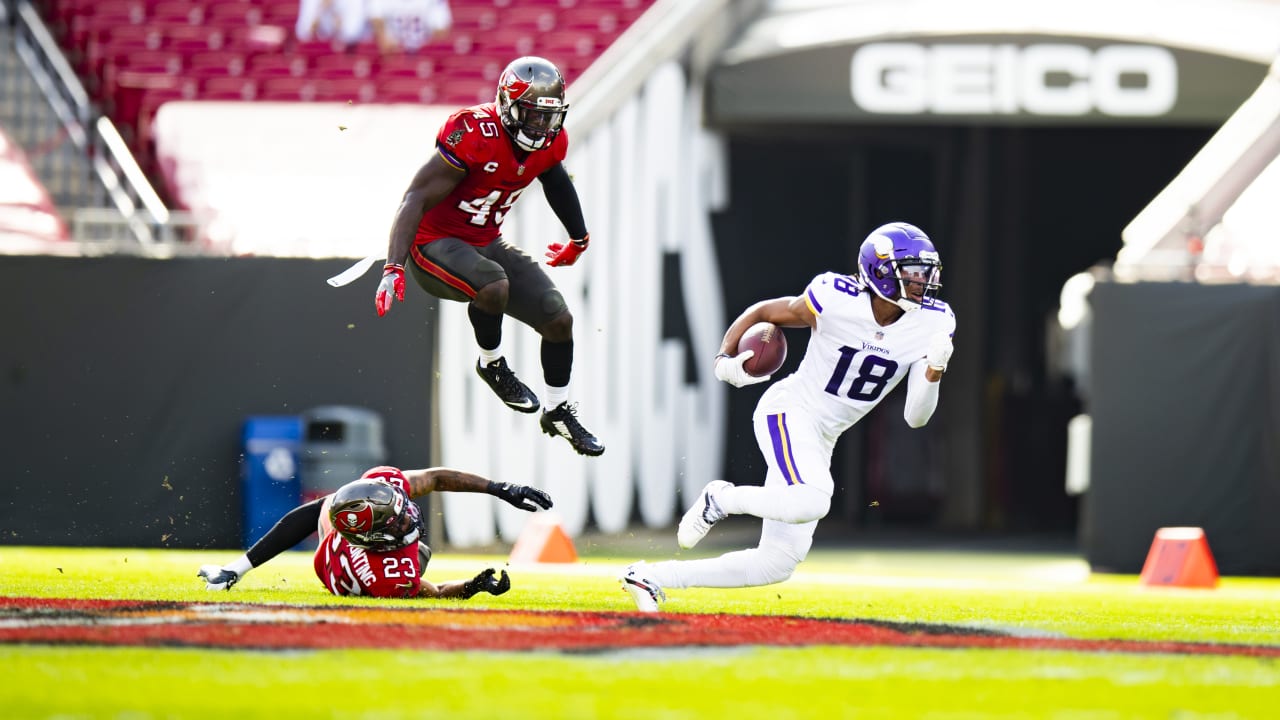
[940,350]
[730,370]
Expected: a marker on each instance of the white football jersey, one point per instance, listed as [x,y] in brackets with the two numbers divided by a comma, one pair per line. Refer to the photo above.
[852,362]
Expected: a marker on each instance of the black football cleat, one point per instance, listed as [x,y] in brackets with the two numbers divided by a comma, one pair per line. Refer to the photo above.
[507,386]
[562,421]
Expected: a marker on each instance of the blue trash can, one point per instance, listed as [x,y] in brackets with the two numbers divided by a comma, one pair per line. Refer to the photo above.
[271,484]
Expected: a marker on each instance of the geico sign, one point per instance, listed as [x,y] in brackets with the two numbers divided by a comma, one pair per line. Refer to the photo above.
[1047,79]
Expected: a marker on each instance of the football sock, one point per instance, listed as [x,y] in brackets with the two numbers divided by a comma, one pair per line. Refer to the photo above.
[488,328]
[239,566]
[489,356]
[555,396]
[557,363]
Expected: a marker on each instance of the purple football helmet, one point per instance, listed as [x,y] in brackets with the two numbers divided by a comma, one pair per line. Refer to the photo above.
[899,262]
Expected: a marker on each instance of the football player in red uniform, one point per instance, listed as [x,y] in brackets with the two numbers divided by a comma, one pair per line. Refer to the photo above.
[447,231]
[371,536]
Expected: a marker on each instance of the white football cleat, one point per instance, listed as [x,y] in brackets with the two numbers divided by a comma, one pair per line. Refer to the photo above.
[217,577]
[699,518]
[646,592]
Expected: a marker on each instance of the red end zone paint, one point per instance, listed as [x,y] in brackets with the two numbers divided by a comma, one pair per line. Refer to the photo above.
[288,627]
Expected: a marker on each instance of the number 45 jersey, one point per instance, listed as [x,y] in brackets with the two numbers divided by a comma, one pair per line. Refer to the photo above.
[852,362]
[473,140]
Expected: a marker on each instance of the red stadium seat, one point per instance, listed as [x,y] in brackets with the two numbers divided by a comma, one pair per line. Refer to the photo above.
[361,90]
[229,88]
[567,43]
[293,89]
[233,13]
[474,17]
[336,66]
[464,92]
[591,19]
[509,42]
[190,39]
[270,65]
[175,12]
[215,63]
[485,68]
[281,12]
[407,90]
[407,65]
[531,18]
[258,38]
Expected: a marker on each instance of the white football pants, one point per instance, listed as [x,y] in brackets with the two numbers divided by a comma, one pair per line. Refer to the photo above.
[796,494]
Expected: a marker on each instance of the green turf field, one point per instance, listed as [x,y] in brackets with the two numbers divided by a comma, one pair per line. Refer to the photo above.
[1013,595]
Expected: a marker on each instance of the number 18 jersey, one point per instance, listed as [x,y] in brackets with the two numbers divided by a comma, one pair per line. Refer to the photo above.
[852,362]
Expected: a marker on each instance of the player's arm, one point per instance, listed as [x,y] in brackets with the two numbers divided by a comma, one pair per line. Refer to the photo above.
[562,196]
[293,528]
[429,480]
[432,183]
[783,311]
[924,378]
[489,580]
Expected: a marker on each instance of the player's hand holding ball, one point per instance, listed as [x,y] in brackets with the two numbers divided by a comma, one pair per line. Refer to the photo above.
[392,284]
[729,369]
[560,254]
[940,349]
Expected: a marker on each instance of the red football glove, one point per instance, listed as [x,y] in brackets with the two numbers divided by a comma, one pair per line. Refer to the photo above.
[567,254]
[392,284]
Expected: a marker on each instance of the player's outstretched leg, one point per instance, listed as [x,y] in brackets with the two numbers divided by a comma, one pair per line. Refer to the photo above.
[562,421]
[700,516]
[645,591]
[507,386]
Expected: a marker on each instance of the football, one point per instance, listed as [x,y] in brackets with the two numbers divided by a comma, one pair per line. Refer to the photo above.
[770,346]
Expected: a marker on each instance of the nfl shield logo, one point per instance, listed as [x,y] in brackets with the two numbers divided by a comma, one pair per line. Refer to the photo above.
[879,335]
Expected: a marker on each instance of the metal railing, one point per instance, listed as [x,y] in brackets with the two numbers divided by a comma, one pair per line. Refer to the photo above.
[116,205]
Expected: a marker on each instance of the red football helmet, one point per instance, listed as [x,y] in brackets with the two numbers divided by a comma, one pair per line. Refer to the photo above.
[531,102]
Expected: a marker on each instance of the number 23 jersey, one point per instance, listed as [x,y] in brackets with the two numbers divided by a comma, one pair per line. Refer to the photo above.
[349,570]
[474,141]
[852,362]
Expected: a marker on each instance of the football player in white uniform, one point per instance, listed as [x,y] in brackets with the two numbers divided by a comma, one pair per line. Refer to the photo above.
[869,332]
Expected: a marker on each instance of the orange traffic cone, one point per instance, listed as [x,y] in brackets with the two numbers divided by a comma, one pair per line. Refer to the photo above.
[1180,556]
[543,540]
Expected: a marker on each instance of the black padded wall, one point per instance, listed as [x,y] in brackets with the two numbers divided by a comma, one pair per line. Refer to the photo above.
[1185,403]
[125,382]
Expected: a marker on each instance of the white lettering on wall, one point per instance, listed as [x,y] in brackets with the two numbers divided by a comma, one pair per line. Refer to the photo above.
[1051,79]
[647,180]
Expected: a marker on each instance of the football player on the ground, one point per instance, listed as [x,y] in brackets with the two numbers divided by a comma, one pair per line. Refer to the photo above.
[868,333]
[449,224]
[371,535]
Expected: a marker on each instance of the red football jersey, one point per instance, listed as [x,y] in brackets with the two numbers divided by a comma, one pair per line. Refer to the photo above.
[474,140]
[349,570]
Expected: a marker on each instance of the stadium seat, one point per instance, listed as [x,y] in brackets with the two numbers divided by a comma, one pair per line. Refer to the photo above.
[273,65]
[406,65]
[463,91]
[229,88]
[189,39]
[508,42]
[233,13]
[531,18]
[474,17]
[337,66]
[174,12]
[406,90]
[258,38]
[361,90]
[215,63]
[481,67]
[292,89]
